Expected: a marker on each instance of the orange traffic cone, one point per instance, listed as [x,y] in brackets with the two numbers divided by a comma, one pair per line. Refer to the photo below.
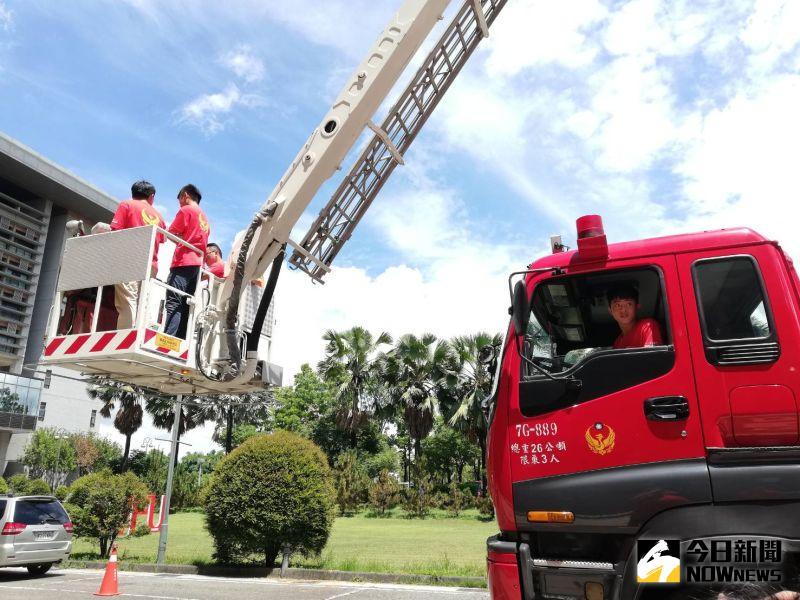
[109,586]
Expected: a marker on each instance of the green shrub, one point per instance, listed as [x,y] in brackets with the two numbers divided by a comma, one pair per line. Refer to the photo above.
[418,498]
[37,487]
[142,529]
[485,506]
[18,484]
[456,500]
[273,490]
[352,483]
[3,486]
[384,493]
[61,492]
[100,504]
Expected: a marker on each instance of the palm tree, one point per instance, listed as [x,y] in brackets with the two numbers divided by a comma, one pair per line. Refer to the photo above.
[128,401]
[195,410]
[351,363]
[416,369]
[472,388]
[229,410]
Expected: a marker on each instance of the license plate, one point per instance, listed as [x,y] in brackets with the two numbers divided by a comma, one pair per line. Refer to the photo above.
[43,535]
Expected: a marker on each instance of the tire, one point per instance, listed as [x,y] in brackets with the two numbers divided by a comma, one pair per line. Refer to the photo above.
[39,570]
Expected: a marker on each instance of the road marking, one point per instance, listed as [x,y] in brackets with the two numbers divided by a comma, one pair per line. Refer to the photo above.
[342,595]
[84,592]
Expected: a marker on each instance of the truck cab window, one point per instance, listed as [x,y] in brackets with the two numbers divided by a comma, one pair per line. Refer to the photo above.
[572,334]
[570,316]
[734,312]
[731,299]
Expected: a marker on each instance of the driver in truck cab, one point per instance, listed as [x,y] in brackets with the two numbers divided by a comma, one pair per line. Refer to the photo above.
[623,302]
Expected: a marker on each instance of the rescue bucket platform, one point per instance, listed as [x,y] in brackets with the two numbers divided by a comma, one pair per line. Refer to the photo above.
[82,332]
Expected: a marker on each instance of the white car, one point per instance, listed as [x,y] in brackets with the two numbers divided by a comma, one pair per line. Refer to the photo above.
[35,532]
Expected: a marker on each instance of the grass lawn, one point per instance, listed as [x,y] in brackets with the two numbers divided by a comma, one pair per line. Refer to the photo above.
[433,546]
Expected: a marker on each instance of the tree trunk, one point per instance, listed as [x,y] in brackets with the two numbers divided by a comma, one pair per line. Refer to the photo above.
[177,449]
[127,451]
[353,439]
[229,430]
[406,461]
[418,454]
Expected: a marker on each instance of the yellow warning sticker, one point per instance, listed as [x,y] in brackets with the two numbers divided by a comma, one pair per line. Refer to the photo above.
[168,342]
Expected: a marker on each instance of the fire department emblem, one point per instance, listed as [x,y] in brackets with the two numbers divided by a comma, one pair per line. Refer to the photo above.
[600,439]
[149,219]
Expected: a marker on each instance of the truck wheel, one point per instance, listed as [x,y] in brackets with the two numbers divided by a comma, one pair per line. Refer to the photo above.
[39,570]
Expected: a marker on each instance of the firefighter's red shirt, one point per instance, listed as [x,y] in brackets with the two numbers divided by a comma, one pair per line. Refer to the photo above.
[646,332]
[136,213]
[191,224]
[217,268]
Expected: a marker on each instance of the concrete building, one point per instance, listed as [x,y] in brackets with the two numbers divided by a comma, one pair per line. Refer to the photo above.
[37,198]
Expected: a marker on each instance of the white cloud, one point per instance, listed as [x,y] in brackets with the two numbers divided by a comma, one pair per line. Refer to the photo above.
[632,101]
[742,168]
[208,112]
[772,31]
[244,64]
[536,32]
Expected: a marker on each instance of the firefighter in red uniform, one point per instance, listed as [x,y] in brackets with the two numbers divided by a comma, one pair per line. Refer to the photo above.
[214,261]
[136,212]
[190,224]
[623,302]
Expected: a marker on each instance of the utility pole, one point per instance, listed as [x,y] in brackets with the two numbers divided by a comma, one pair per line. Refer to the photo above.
[162,536]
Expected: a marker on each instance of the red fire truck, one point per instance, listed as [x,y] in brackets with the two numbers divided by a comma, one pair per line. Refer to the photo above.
[592,449]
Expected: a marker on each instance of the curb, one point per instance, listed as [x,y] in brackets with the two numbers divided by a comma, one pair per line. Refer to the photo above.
[291,573]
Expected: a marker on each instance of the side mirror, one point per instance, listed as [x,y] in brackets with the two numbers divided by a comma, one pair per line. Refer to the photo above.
[487,354]
[520,308]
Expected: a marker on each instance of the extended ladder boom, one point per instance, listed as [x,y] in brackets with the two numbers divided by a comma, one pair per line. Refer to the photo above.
[336,222]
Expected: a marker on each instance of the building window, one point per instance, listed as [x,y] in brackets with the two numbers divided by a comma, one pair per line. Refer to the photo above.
[42,409]
[92,419]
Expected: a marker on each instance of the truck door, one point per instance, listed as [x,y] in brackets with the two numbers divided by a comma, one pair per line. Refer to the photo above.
[629,444]
[742,322]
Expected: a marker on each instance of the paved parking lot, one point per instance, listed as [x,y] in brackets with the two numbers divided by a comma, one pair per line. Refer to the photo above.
[68,584]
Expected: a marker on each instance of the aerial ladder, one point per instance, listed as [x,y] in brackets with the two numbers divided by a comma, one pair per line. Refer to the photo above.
[221,354]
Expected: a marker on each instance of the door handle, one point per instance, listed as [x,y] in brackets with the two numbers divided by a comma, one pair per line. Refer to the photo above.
[666,408]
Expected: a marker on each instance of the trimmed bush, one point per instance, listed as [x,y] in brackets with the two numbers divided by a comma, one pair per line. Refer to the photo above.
[99,505]
[273,490]
[18,484]
[3,486]
[61,492]
[37,487]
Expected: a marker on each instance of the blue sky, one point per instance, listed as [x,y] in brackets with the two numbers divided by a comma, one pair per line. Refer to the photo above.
[662,115]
